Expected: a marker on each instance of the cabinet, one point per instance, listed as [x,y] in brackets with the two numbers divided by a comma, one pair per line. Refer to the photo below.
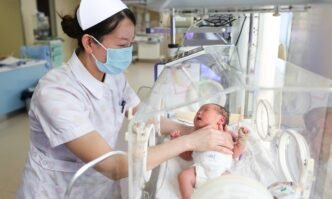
[14,80]
[55,51]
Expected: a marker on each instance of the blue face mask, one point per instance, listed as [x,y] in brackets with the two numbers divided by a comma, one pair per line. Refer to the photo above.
[117,59]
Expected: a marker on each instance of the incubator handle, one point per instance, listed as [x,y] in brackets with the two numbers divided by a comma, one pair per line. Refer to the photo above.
[86,167]
[150,140]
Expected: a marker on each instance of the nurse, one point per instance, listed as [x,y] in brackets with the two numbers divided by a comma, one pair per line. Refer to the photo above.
[77,110]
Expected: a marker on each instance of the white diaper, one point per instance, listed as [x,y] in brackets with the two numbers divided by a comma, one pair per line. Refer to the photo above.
[209,165]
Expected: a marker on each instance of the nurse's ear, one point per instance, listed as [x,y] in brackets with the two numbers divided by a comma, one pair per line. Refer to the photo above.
[87,43]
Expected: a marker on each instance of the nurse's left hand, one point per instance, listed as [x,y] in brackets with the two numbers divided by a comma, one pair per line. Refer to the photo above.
[210,139]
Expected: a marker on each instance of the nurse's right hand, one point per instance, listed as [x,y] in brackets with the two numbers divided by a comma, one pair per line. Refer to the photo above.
[210,139]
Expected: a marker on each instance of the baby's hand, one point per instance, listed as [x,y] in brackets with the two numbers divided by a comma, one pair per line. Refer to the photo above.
[243,134]
[175,134]
[240,143]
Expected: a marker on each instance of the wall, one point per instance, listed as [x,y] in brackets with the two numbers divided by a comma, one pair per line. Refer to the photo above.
[64,7]
[29,10]
[11,34]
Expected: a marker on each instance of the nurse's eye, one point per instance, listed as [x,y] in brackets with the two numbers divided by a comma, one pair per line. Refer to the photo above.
[125,45]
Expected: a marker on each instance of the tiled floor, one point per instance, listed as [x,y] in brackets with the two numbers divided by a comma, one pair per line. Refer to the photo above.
[14,134]
[14,139]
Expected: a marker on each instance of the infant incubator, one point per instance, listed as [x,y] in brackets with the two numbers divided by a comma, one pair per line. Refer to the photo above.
[281,159]
[284,107]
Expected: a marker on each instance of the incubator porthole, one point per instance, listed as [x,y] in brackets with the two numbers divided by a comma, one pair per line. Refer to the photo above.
[265,121]
[293,153]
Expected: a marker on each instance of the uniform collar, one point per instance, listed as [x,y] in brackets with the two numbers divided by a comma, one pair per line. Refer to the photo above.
[94,86]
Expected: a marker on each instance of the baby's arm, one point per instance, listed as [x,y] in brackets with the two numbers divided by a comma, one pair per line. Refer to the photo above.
[185,155]
[240,143]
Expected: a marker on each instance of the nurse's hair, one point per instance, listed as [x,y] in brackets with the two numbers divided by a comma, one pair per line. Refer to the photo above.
[71,27]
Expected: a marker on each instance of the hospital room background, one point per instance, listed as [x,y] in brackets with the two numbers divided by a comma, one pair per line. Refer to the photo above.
[254,37]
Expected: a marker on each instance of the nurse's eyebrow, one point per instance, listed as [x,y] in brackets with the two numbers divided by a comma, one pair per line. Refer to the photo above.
[125,41]
[122,39]
[125,38]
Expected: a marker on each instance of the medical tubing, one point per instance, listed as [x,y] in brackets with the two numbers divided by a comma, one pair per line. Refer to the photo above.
[88,166]
[240,33]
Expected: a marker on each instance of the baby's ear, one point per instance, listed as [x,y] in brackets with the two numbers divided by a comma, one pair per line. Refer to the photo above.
[221,122]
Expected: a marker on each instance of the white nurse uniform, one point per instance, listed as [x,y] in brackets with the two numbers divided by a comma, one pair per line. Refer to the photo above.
[68,103]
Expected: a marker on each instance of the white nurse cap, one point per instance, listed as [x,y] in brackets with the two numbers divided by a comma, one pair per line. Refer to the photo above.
[92,12]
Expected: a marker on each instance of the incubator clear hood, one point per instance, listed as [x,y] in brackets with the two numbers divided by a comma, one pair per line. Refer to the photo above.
[197,75]
[214,74]
[284,109]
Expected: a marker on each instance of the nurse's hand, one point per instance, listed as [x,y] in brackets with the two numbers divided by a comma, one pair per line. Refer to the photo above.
[209,139]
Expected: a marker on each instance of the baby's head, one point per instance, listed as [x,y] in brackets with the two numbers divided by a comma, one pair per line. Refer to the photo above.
[211,114]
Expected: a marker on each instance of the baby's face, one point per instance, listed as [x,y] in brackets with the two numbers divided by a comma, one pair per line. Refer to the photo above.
[207,115]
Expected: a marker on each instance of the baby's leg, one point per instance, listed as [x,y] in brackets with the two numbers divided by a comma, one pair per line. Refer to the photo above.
[187,180]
